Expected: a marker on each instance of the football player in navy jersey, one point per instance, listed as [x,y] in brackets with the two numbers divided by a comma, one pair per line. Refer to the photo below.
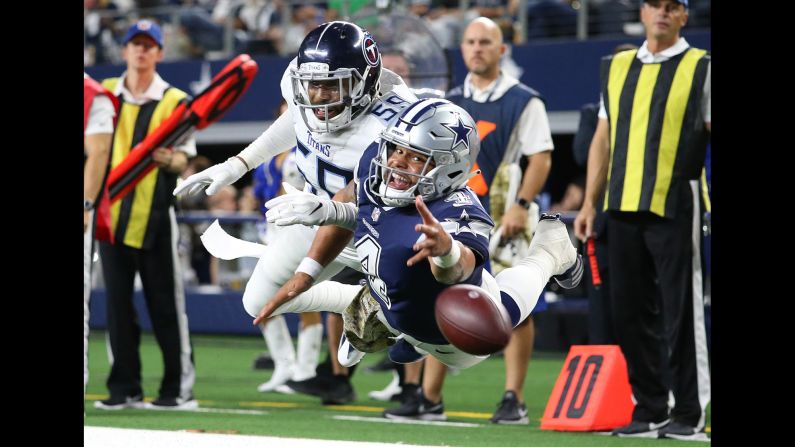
[339,99]
[411,203]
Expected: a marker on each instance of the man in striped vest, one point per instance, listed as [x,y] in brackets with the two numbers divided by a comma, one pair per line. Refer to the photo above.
[646,157]
[145,230]
[99,110]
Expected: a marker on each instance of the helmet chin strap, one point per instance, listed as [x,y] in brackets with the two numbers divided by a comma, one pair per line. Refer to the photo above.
[395,198]
[334,123]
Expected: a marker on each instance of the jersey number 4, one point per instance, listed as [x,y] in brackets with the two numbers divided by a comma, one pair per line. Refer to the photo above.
[369,255]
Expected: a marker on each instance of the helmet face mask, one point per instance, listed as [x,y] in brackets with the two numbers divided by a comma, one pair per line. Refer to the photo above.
[421,181]
[341,52]
[437,129]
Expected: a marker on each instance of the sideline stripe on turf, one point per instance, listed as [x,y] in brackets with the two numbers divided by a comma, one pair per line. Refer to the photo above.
[404,421]
[126,437]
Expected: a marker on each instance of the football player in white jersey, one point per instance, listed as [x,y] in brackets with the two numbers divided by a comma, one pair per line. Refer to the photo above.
[339,100]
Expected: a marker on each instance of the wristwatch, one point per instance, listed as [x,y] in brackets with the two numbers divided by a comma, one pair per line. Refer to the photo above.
[88,205]
[523,203]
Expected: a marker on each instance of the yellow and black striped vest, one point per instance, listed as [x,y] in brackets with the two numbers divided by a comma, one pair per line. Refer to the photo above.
[141,214]
[657,134]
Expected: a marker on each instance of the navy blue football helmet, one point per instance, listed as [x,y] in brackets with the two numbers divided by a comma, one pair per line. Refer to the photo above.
[342,58]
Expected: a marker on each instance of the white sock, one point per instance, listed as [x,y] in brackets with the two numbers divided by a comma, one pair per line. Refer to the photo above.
[325,296]
[280,344]
[525,281]
[309,340]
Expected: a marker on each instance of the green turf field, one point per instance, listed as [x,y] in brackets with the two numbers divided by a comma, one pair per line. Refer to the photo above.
[226,388]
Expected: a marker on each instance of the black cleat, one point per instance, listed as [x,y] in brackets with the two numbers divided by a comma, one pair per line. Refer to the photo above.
[510,411]
[339,392]
[316,386]
[120,402]
[173,403]
[416,406]
[638,429]
[263,361]
[682,432]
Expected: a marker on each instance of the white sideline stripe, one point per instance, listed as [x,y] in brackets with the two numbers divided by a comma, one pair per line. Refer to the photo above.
[405,421]
[215,410]
[127,437]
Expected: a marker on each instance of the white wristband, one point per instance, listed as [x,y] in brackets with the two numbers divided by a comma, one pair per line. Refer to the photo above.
[310,267]
[450,259]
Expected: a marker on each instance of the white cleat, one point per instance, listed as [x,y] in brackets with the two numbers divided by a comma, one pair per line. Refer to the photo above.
[392,389]
[347,355]
[552,238]
[281,374]
[284,389]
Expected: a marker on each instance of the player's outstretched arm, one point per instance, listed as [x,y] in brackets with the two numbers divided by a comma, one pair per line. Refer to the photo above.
[329,242]
[277,138]
[451,261]
[298,284]
[298,207]
[214,178]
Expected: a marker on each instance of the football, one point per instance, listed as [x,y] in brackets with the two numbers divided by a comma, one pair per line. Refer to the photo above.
[471,321]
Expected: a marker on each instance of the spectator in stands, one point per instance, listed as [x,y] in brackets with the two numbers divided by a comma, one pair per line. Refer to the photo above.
[99,111]
[259,26]
[345,9]
[572,197]
[193,256]
[204,28]
[248,206]
[145,231]
[444,18]
[496,10]
[551,18]
[305,15]
[256,26]
[100,32]
[398,62]
[700,14]
[609,16]
[224,202]
[654,218]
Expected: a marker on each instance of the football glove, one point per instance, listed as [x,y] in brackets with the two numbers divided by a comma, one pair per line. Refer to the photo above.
[298,207]
[213,178]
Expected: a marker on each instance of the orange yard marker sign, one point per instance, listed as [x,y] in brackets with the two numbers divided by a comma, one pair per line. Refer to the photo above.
[592,392]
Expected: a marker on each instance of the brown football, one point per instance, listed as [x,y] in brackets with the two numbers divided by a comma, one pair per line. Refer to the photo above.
[471,321]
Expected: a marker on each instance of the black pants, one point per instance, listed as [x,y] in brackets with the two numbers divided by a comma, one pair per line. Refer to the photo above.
[653,282]
[600,314]
[165,302]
